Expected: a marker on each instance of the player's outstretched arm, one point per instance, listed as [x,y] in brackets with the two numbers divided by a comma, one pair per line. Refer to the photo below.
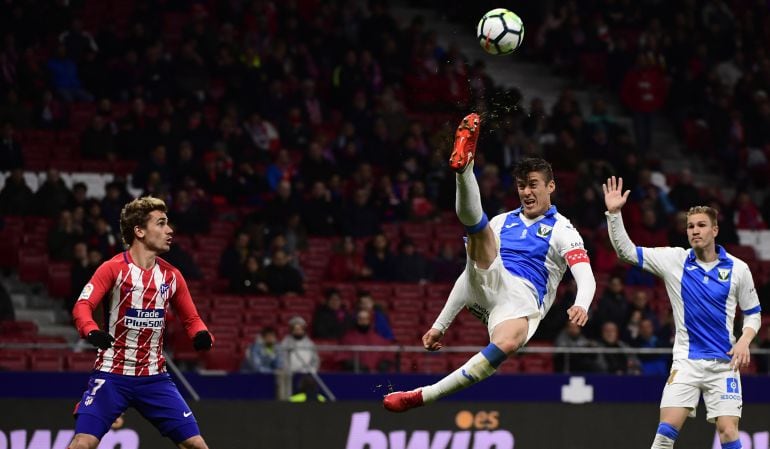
[615,199]
[432,339]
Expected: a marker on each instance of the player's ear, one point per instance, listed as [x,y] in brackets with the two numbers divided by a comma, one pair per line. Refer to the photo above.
[138,232]
[716,230]
[551,186]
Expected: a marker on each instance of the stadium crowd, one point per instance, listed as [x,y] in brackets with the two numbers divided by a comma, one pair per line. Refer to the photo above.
[301,147]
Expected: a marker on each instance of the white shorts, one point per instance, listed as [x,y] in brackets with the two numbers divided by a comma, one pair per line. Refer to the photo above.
[495,295]
[720,385]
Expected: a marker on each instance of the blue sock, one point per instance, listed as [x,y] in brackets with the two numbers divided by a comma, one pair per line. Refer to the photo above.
[478,227]
[668,431]
[732,445]
[493,354]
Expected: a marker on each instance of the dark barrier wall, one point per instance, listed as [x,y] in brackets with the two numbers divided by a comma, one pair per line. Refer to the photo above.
[46,424]
[369,387]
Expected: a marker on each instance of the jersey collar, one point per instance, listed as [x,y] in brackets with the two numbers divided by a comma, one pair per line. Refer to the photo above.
[721,254]
[549,213]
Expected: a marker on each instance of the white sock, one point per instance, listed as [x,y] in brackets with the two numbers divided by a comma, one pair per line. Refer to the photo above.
[474,370]
[468,198]
[662,442]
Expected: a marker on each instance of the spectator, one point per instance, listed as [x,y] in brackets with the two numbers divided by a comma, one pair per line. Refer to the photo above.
[85,261]
[644,92]
[263,355]
[281,277]
[613,306]
[366,302]
[362,332]
[330,318]
[53,195]
[11,151]
[307,390]
[300,352]
[677,234]
[250,278]
[62,239]
[572,337]
[651,364]
[615,363]
[320,212]
[97,141]
[16,198]
[747,215]
[361,218]
[447,265]
[346,264]
[184,261]
[64,77]
[104,239]
[77,41]
[410,266]
[234,256]
[378,258]
[684,194]
[50,113]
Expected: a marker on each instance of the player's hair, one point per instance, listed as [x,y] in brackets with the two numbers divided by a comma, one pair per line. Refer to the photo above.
[136,213]
[710,211]
[527,166]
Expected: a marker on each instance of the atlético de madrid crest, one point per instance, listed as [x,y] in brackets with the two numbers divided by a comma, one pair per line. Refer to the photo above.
[544,230]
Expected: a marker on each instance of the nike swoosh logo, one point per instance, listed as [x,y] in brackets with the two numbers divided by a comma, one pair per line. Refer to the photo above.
[511,225]
[186,414]
[468,376]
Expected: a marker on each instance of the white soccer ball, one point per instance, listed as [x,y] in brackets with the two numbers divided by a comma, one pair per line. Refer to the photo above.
[500,32]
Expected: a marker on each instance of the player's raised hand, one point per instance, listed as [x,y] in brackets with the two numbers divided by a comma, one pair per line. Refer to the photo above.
[578,315]
[614,197]
[432,340]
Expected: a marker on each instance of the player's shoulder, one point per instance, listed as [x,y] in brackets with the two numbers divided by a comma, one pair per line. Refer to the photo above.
[738,263]
[166,266]
[116,262]
[563,223]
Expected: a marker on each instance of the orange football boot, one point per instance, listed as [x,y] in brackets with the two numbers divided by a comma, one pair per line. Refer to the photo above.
[466,136]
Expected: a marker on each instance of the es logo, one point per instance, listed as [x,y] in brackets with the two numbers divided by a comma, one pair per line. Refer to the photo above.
[486,435]
[47,439]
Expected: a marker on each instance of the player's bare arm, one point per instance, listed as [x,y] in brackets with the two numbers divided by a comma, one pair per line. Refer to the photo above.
[741,355]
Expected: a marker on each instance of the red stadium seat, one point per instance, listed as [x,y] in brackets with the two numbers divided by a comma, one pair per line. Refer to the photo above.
[80,361]
[33,266]
[299,304]
[59,279]
[13,359]
[409,290]
[52,361]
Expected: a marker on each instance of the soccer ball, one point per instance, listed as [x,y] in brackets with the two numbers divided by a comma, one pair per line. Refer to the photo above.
[500,32]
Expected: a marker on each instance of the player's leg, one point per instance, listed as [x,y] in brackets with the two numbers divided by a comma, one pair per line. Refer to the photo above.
[507,337]
[727,427]
[671,421]
[159,401]
[195,442]
[724,402]
[102,403]
[482,247]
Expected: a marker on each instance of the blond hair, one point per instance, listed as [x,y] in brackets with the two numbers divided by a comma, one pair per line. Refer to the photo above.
[136,213]
[710,211]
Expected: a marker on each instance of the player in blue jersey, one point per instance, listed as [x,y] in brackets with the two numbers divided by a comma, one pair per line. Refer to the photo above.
[515,262]
[704,285]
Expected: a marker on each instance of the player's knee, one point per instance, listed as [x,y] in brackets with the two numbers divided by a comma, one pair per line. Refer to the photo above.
[83,441]
[728,429]
[195,442]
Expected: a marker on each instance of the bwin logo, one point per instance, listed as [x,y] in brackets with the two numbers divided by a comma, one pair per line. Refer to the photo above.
[360,436]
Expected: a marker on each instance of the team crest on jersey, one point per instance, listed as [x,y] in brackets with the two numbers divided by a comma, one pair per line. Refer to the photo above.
[87,290]
[164,290]
[724,274]
[544,230]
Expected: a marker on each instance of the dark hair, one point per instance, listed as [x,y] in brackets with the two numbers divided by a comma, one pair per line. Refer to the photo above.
[527,166]
[137,213]
[268,330]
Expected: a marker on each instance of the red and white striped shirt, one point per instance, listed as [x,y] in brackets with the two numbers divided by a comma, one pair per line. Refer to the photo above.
[135,313]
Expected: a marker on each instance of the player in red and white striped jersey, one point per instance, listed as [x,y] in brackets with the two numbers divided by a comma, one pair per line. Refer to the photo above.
[137,288]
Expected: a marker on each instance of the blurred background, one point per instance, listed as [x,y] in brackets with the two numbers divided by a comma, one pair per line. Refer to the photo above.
[301,147]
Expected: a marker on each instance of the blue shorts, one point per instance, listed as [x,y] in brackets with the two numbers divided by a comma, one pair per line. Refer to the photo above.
[155,397]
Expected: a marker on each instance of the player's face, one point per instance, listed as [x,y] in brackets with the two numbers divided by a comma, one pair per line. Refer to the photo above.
[701,232]
[535,194]
[157,234]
